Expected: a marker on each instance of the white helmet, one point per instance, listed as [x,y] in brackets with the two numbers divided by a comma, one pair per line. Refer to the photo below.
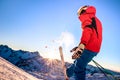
[82,10]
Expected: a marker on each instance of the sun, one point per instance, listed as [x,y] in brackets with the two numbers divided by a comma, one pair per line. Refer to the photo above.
[52,54]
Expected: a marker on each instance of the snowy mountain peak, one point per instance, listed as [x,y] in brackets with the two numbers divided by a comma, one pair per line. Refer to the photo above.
[44,68]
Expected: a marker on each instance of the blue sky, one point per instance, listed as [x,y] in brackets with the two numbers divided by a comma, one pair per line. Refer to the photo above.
[43,25]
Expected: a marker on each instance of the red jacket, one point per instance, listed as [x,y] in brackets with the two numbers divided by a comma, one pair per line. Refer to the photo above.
[89,37]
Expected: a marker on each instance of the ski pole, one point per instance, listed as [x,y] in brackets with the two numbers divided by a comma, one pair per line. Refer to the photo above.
[103,70]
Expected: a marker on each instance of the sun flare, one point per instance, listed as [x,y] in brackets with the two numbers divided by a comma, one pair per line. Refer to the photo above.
[52,54]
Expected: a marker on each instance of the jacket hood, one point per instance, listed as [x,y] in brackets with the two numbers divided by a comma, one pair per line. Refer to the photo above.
[86,17]
[91,10]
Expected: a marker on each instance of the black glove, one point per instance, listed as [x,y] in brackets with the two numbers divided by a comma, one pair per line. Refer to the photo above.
[75,54]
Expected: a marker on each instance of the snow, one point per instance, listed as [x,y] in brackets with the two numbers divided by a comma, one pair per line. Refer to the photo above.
[10,72]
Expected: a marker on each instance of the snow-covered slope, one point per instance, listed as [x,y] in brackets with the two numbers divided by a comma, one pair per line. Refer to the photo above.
[43,68]
[10,72]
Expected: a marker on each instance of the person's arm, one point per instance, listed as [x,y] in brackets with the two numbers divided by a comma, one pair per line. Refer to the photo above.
[84,40]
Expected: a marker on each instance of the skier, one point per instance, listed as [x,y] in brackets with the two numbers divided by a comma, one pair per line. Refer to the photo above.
[90,42]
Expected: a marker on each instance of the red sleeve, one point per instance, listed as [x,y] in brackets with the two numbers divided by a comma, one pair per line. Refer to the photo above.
[86,35]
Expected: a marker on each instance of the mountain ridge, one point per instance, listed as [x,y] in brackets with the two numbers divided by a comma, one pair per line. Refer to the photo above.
[42,68]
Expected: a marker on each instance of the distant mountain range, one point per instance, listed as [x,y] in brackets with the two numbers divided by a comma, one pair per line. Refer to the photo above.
[44,68]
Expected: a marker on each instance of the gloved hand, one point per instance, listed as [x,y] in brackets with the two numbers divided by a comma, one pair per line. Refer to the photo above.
[76,55]
[77,51]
